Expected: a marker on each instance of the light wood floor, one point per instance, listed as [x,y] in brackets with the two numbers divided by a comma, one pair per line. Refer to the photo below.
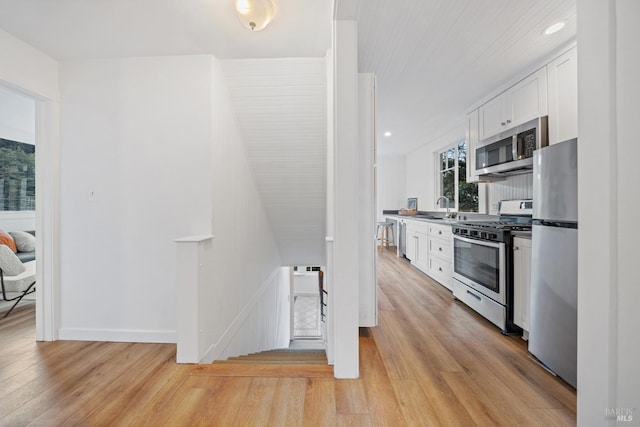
[431,361]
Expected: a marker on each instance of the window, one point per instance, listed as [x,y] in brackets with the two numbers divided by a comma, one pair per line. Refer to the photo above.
[452,180]
[17,176]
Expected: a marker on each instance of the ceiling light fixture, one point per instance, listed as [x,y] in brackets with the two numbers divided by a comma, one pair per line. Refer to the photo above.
[255,14]
[387,134]
[554,28]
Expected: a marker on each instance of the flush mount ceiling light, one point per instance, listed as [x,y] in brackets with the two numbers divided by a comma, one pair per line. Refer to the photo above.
[387,134]
[255,14]
[554,28]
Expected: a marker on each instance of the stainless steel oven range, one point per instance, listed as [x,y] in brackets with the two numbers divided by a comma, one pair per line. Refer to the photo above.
[483,263]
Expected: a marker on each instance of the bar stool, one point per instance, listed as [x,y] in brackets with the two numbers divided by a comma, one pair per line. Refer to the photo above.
[385,227]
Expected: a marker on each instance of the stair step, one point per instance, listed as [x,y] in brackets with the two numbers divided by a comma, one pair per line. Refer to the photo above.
[264,370]
[280,357]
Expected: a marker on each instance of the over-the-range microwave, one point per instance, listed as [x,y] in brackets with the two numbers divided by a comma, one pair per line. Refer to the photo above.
[511,152]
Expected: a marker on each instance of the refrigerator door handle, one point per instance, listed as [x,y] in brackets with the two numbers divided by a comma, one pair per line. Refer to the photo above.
[560,224]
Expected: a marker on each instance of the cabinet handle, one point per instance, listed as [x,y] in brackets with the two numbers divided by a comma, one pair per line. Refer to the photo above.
[439,231]
[508,121]
[440,249]
[515,248]
[439,268]
[502,123]
[474,295]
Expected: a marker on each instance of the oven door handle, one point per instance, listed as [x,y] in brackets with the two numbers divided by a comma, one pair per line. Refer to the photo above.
[479,242]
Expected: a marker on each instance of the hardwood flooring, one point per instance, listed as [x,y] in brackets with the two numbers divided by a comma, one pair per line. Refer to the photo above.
[431,361]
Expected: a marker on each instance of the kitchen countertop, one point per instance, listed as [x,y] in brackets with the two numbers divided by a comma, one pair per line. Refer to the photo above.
[416,218]
[523,234]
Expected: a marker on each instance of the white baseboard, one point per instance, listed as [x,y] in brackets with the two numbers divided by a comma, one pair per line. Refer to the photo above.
[117,335]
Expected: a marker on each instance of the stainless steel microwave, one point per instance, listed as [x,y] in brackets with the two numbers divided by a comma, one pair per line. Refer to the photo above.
[511,152]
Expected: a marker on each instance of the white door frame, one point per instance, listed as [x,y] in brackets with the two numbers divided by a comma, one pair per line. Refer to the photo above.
[47,221]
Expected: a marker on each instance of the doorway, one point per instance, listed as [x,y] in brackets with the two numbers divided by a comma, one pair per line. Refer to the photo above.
[17,190]
[306,312]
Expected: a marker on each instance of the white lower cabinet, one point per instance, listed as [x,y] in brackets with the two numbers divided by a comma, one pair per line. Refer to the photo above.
[439,267]
[423,254]
[417,244]
[521,282]
[429,249]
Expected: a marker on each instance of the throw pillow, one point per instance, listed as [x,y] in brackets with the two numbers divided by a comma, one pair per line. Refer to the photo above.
[6,239]
[25,242]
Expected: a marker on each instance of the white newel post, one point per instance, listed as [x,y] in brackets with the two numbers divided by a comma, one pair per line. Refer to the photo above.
[193,262]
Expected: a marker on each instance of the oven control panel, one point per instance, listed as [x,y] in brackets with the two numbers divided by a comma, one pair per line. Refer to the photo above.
[480,234]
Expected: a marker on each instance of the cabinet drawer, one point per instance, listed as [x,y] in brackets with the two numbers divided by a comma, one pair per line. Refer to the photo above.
[438,230]
[440,270]
[440,248]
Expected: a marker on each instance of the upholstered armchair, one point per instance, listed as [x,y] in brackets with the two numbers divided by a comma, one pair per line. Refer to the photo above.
[15,276]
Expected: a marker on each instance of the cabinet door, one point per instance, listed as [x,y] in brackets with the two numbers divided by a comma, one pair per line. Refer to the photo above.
[563,97]
[491,117]
[521,281]
[423,252]
[527,100]
[411,248]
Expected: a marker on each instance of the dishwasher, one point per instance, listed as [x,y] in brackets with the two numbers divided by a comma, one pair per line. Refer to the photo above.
[402,238]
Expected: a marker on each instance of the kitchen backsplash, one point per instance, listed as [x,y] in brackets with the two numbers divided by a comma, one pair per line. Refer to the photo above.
[514,187]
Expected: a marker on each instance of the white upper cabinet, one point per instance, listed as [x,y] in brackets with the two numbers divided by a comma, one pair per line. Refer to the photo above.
[522,102]
[563,97]
[471,135]
[492,116]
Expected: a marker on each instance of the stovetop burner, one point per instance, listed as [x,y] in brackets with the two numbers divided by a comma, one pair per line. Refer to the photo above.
[499,225]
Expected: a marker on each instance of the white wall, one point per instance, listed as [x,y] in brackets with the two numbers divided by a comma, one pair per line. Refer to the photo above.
[391,183]
[368,313]
[249,290]
[608,291]
[344,292]
[421,168]
[135,152]
[305,282]
[26,68]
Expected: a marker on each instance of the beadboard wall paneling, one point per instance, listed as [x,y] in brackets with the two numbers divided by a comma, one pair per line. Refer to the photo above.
[280,105]
[514,187]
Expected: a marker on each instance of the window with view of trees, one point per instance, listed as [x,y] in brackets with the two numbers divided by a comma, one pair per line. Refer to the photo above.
[17,176]
[452,179]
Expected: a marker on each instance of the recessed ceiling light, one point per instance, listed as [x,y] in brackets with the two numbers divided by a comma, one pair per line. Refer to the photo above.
[554,28]
[387,134]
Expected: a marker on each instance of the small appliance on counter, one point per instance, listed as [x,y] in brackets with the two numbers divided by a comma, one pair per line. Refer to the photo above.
[553,338]
[483,263]
[411,209]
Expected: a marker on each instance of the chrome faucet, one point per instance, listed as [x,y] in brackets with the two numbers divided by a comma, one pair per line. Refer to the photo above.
[447,200]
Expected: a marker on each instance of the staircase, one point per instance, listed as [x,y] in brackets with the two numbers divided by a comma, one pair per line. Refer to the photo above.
[284,363]
[281,357]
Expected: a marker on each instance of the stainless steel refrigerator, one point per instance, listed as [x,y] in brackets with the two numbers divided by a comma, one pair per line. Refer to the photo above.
[554,269]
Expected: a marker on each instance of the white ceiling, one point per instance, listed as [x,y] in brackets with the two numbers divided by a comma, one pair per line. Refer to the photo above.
[435,59]
[82,29]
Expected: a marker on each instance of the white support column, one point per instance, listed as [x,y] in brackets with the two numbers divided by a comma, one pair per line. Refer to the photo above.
[608,151]
[192,260]
[344,292]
